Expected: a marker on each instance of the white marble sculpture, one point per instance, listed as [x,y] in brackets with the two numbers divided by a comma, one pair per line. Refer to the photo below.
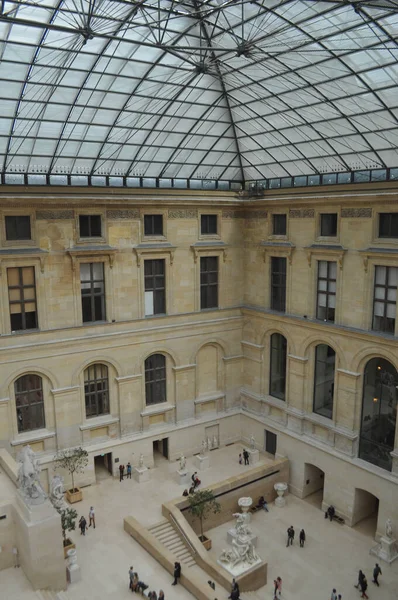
[29,477]
[242,524]
[252,442]
[182,463]
[57,493]
[389,528]
[215,442]
[204,448]
[242,552]
[141,461]
[209,443]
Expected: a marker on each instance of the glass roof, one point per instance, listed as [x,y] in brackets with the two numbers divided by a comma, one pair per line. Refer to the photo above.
[214,89]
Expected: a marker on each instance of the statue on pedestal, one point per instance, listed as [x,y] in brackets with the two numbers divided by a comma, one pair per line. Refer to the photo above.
[204,447]
[215,442]
[389,528]
[182,463]
[252,442]
[57,493]
[141,461]
[29,477]
[209,443]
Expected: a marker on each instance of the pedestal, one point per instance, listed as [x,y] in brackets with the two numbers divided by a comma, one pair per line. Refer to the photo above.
[202,462]
[182,477]
[231,534]
[254,457]
[140,474]
[73,574]
[386,550]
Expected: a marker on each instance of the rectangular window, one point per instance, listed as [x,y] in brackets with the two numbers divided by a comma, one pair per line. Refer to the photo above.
[388,225]
[326,297]
[18,228]
[90,226]
[155,287]
[208,282]
[22,298]
[329,224]
[208,224]
[325,360]
[153,224]
[385,299]
[279,224]
[92,283]
[278,283]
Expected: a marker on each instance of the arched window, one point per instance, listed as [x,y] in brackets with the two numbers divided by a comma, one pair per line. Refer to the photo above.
[379,413]
[277,379]
[96,390]
[155,379]
[29,403]
[325,359]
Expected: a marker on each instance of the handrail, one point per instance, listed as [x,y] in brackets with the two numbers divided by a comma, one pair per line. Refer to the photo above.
[183,534]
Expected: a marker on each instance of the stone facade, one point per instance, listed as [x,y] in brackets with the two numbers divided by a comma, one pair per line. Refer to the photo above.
[218,360]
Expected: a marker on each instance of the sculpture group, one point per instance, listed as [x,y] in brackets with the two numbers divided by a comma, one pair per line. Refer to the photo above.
[242,553]
[29,477]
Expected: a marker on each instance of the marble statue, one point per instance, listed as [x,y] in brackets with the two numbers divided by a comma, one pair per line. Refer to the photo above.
[215,442]
[29,476]
[252,442]
[204,447]
[242,552]
[209,443]
[141,461]
[57,492]
[241,526]
[389,528]
[182,463]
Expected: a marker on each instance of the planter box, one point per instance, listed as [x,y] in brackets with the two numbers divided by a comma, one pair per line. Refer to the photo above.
[69,545]
[206,542]
[75,495]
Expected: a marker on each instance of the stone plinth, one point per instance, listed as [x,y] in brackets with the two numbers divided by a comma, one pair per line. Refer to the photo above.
[241,568]
[141,474]
[280,489]
[254,456]
[73,574]
[182,477]
[202,462]
[386,550]
[231,534]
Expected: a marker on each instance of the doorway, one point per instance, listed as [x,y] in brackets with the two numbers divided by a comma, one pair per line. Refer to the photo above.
[160,450]
[314,483]
[103,466]
[270,442]
[365,512]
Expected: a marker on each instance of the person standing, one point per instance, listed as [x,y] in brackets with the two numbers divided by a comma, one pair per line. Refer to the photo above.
[128,476]
[279,587]
[131,577]
[121,472]
[240,459]
[177,573]
[246,456]
[82,525]
[376,573]
[161,595]
[91,516]
[334,594]
[302,538]
[290,536]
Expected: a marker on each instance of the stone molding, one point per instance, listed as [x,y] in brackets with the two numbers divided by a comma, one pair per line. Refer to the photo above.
[54,215]
[183,213]
[301,213]
[116,214]
[232,214]
[255,214]
[356,213]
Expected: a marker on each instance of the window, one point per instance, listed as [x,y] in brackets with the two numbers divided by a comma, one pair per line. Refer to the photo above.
[208,224]
[278,283]
[388,225]
[153,224]
[29,403]
[379,413]
[208,282]
[326,297]
[329,224]
[385,299]
[277,382]
[155,287]
[279,224]
[22,298]
[155,379]
[18,228]
[90,226]
[325,358]
[93,292]
[96,390]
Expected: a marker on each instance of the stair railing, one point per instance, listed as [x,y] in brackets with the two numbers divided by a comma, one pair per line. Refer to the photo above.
[183,534]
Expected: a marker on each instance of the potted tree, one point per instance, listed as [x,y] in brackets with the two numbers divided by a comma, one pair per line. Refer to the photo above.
[202,504]
[74,460]
[68,523]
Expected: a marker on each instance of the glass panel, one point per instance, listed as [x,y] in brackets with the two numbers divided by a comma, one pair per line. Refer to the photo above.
[324,380]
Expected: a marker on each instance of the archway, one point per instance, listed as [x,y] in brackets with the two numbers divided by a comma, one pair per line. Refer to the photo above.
[314,482]
[365,512]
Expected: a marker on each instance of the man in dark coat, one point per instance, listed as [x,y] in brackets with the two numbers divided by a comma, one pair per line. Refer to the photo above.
[177,572]
[290,536]
[376,573]
[246,456]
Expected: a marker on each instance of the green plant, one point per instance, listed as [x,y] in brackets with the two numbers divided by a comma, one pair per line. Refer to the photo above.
[68,521]
[202,504]
[74,460]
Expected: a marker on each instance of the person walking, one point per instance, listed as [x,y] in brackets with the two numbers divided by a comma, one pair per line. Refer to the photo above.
[91,516]
[177,572]
[364,587]
[121,472]
[360,577]
[128,476]
[82,525]
[161,595]
[131,577]
[302,538]
[376,573]
[246,456]
[334,594]
[278,587]
[290,536]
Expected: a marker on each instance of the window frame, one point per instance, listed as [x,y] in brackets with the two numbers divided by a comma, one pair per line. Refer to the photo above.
[96,392]
[332,210]
[314,384]
[213,236]
[22,301]
[155,381]
[208,285]
[386,237]
[91,237]
[326,292]
[273,286]
[274,216]
[384,301]
[154,236]
[156,291]
[86,241]
[272,362]
[42,403]
[103,295]
[18,213]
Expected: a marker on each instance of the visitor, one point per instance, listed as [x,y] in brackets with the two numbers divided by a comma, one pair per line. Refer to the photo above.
[195,480]
[376,573]
[262,503]
[240,459]
[192,489]
[360,578]
[334,594]
[82,525]
[161,595]
[290,536]
[330,513]
[235,591]
[364,586]
[128,471]
[91,516]
[275,589]
[131,576]
[152,596]
[246,456]
[339,597]
[279,587]
[185,492]
[177,572]
[302,538]
[121,472]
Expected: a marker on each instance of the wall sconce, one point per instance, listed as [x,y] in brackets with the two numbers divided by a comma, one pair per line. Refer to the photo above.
[375,399]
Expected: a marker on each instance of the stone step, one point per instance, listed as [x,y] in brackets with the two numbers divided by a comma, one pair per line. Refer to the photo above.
[174,544]
[159,526]
[165,534]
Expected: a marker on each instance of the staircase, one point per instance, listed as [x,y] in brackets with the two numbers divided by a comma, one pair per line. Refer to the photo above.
[165,533]
[50,595]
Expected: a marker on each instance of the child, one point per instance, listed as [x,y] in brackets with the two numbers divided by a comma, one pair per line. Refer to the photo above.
[240,459]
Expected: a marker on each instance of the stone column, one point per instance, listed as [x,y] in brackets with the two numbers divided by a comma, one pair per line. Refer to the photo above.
[68,417]
[296,369]
[185,391]
[130,403]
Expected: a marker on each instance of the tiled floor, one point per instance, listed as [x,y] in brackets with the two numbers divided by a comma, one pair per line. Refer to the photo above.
[331,558]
